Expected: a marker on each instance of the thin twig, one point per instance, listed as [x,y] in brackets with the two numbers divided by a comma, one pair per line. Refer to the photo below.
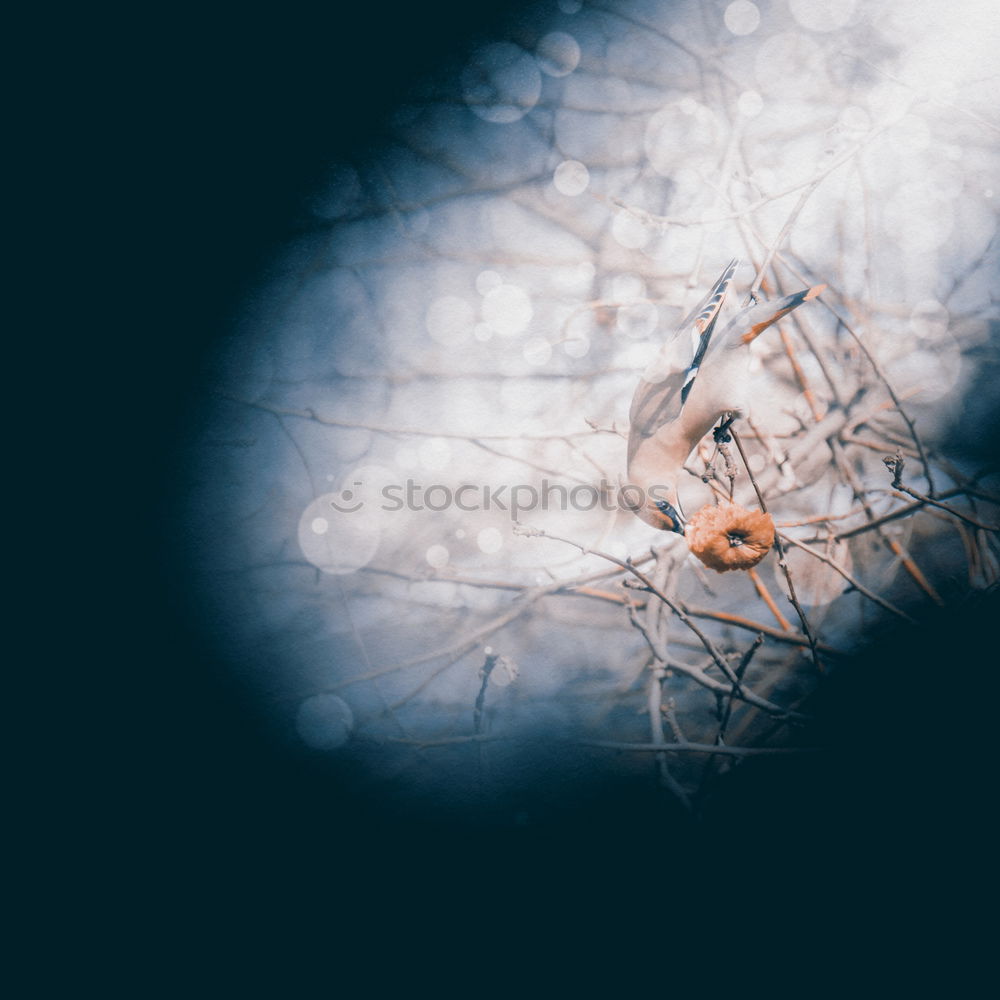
[884,379]
[656,626]
[663,222]
[633,569]
[698,675]
[782,561]
[896,397]
[895,464]
[765,596]
[309,414]
[750,625]
[894,546]
[853,581]
[484,672]
[740,671]
[456,649]
[785,229]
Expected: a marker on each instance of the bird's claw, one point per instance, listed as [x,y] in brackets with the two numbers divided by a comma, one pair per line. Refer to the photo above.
[721,433]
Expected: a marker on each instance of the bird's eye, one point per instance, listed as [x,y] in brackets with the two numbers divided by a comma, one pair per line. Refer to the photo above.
[669,514]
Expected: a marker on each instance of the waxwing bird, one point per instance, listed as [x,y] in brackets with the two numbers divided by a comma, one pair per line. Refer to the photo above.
[698,377]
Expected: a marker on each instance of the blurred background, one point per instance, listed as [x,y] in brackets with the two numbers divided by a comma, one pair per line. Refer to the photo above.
[449,262]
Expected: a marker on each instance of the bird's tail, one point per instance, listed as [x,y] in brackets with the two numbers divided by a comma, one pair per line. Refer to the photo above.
[755,320]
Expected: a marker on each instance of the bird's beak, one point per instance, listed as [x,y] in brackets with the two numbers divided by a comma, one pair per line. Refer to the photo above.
[668,517]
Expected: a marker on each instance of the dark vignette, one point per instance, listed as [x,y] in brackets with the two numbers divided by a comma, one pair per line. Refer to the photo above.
[224,821]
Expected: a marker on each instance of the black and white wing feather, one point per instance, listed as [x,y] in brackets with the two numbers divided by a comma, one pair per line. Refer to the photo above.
[668,381]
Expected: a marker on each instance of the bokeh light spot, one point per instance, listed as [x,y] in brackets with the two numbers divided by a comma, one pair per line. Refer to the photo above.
[537,351]
[571,178]
[507,309]
[437,556]
[638,320]
[932,370]
[501,83]
[349,539]
[750,104]
[629,231]
[351,535]
[486,281]
[489,540]
[324,722]
[558,54]
[575,277]
[505,672]
[742,17]
[627,287]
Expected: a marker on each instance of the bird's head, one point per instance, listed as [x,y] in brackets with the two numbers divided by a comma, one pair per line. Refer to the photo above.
[658,512]
[664,515]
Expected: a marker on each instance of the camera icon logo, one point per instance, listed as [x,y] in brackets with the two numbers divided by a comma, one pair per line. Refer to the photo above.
[351,502]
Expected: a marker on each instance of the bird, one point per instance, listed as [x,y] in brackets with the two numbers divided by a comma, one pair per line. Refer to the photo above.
[699,377]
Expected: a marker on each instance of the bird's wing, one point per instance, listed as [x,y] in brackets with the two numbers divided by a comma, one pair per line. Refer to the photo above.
[668,379]
[706,311]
